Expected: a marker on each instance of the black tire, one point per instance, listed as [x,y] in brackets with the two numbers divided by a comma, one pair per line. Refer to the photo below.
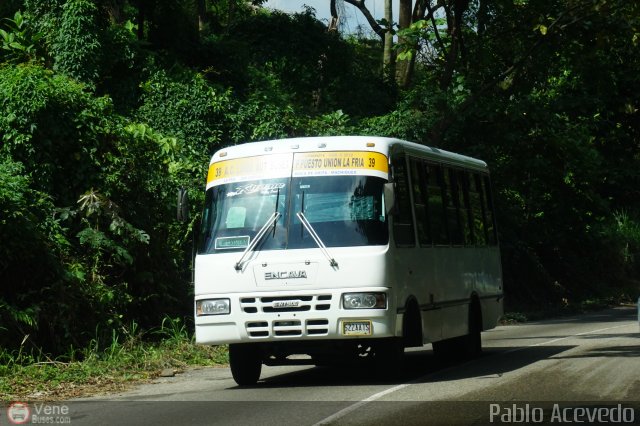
[245,361]
[473,341]
[467,346]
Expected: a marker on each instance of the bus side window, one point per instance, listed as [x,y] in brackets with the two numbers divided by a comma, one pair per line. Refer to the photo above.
[490,222]
[478,210]
[454,222]
[403,219]
[420,200]
[436,191]
[466,219]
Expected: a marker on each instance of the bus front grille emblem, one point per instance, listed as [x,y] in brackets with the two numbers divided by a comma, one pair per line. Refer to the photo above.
[284,275]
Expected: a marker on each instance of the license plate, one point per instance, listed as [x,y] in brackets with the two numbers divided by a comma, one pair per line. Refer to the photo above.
[356,328]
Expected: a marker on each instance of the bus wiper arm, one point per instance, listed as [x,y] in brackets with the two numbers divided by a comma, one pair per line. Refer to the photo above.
[316,238]
[259,236]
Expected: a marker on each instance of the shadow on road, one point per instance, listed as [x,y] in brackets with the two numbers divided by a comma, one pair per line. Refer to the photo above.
[609,351]
[419,367]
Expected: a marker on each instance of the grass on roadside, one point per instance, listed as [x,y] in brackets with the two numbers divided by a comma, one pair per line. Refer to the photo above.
[130,357]
[518,314]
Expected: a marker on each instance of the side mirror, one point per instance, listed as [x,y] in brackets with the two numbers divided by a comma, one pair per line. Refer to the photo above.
[183,205]
[389,197]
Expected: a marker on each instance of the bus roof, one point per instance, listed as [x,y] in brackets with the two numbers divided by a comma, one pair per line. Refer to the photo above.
[344,143]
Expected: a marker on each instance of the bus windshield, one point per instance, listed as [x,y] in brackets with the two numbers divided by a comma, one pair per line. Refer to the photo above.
[345,211]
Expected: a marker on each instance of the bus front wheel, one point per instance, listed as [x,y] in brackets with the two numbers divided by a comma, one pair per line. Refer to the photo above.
[245,361]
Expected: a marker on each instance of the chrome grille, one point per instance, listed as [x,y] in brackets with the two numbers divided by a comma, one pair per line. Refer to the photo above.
[277,304]
[287,328]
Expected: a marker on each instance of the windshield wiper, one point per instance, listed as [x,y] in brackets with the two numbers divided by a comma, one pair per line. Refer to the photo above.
[259,236]
[316,238]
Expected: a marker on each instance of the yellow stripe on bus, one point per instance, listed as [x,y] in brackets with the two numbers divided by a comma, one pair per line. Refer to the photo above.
[250,167]
[304,163]
[340,160]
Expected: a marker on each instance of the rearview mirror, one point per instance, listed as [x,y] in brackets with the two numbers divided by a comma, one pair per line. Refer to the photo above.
[389,197]
[183,205]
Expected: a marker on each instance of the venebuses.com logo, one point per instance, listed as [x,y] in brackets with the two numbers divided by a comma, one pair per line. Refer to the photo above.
[18,413]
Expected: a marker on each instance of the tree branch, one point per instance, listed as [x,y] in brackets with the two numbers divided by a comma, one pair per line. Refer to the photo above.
[447,121]
[370,19]
[431,15]
[333,25]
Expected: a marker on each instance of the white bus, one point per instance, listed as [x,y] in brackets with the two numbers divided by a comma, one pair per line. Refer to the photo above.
[344,247]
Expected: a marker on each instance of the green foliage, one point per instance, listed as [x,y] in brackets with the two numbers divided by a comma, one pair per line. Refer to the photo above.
[19,42]
[31,241]
[129,356]
[76,47]
[269,112]
[122,67]
[332,124]
[52,126]
[293,62]
[173,26]
[93,258]
[621,247]
[185,106]
[10,7]
[510,318]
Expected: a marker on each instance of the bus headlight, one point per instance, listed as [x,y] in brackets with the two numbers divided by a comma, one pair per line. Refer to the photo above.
[364,300]
[213,307]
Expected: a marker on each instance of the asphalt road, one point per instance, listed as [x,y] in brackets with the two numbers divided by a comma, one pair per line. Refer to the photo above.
[558,371]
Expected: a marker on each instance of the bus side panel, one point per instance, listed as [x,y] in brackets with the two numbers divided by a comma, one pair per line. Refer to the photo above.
[488,285]
[455,321]
[414,271]
[491,312]
[431,325]
[443,280]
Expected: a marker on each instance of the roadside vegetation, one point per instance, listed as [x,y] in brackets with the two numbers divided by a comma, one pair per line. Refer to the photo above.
[132,356]
[107,108]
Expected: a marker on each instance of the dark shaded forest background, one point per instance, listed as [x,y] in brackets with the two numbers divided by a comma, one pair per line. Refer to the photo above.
[107,108]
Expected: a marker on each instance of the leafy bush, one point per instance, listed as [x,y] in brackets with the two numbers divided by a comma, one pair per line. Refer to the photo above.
[94,263]
[19,41]
[26,231]
[76,47]
[53,127]
[185,106]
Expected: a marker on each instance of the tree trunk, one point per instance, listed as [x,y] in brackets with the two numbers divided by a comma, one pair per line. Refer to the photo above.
[202,14]
[387,61]
[404,21]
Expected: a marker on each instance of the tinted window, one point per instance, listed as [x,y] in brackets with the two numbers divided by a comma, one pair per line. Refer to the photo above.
[490,220]
[465,208]
[344,211]
[452,203]
[403,219]
[420,201]
[436,188]
[477,209]
[234,213]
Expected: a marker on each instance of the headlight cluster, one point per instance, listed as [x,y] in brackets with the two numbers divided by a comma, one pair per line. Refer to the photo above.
[213,307]
[364,301]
